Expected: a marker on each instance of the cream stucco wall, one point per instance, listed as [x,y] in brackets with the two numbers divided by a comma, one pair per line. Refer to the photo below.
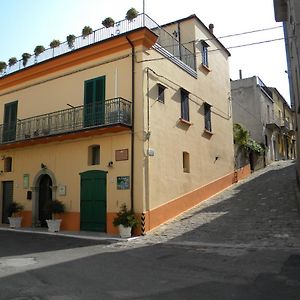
[211,156]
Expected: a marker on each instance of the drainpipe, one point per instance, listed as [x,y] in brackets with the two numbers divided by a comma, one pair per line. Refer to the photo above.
[132,120]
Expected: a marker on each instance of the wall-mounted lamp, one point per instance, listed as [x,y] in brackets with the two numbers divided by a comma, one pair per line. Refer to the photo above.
[110,164]
[43,166]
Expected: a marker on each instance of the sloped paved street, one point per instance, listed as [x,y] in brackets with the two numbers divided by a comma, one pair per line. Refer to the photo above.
[243,243]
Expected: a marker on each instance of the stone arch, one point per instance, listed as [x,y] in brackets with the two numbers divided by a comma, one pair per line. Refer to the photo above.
[35,193]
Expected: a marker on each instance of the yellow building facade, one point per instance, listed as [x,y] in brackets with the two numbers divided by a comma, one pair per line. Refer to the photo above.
[140,116]
[284,116]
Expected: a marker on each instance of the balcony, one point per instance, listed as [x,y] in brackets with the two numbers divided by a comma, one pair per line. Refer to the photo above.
[286,126]
[273,123]
[166,44]
[113,112]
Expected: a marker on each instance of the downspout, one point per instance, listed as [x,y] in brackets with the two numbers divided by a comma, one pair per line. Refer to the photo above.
[132,121]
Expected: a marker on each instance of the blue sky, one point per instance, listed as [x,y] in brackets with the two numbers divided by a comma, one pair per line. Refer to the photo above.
[27,23]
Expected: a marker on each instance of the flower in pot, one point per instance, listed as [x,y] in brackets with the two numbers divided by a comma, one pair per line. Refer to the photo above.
[108,22]
[25,57]
[70,40]
[12,61]
[38,50]
[125,220]
[87,30]
[131,14]
[14,211]
[3,66]
[56,208]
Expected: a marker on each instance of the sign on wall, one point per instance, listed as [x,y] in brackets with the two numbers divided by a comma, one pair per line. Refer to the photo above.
[123,182]
[121,154]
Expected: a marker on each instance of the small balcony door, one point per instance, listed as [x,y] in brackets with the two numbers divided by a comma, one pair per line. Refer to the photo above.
[10,121]
[94,97]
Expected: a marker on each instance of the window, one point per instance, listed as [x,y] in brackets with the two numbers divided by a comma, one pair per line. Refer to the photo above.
[94,155]
[266,141]
[185,114]
[161,93]
[7,164]
[186,162]
[207,117]
[204,52]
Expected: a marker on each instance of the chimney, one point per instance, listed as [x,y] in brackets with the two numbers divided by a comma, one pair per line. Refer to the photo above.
[241,75]
[211,28]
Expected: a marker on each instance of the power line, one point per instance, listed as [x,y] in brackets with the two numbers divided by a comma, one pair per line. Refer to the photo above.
[243,33]
[249,44]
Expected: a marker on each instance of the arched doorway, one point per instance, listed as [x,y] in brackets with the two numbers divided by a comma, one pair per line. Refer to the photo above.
[45,198]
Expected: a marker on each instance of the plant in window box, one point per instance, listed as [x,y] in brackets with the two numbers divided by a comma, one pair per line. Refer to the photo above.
[131,14]
[3,66]
[108,22]
[125,220]
[14,212]
[87,30]
[25,57]
[56,207]
[12,61]
[70,40]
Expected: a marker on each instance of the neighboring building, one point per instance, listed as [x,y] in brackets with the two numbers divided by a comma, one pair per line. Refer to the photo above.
[288,12]
[284,144]
[136,114]
[253,108]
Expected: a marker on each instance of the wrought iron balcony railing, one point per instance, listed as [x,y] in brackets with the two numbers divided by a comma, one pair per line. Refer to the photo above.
[170,45]
[111,112]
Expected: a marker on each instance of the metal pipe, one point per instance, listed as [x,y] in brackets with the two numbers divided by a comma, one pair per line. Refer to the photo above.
[132,121]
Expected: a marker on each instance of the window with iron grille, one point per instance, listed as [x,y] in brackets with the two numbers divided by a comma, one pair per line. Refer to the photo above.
[204,52]
[185,113]
[207,117]
[94,155]
[161,93]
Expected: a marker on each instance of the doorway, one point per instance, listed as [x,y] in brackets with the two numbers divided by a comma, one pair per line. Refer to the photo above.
[45,198]
[93,201]
[7,196]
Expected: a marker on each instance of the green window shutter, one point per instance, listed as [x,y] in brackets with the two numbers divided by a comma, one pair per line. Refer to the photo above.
[94,101]
[10,121]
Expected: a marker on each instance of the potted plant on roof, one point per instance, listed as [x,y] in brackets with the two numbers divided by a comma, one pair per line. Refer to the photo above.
[3,66]
[12,61]
[56,208]
[70,40]
[54,44]
[14,211]
[86,30]
[38,50]
[25,57]
[125,221]
[131,14]
[108,22]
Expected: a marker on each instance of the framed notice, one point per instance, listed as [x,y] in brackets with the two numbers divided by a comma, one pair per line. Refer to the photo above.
[123,182]
[121,154]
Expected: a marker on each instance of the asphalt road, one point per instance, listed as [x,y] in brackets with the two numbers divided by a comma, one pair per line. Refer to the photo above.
[242,244]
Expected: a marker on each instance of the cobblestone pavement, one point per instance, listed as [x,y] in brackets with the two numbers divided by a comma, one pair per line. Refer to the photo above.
[260,211]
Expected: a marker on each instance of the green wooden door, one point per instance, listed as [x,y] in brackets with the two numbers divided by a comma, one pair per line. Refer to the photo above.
[7,188]
[94,101]
[10,121]
[93,201]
